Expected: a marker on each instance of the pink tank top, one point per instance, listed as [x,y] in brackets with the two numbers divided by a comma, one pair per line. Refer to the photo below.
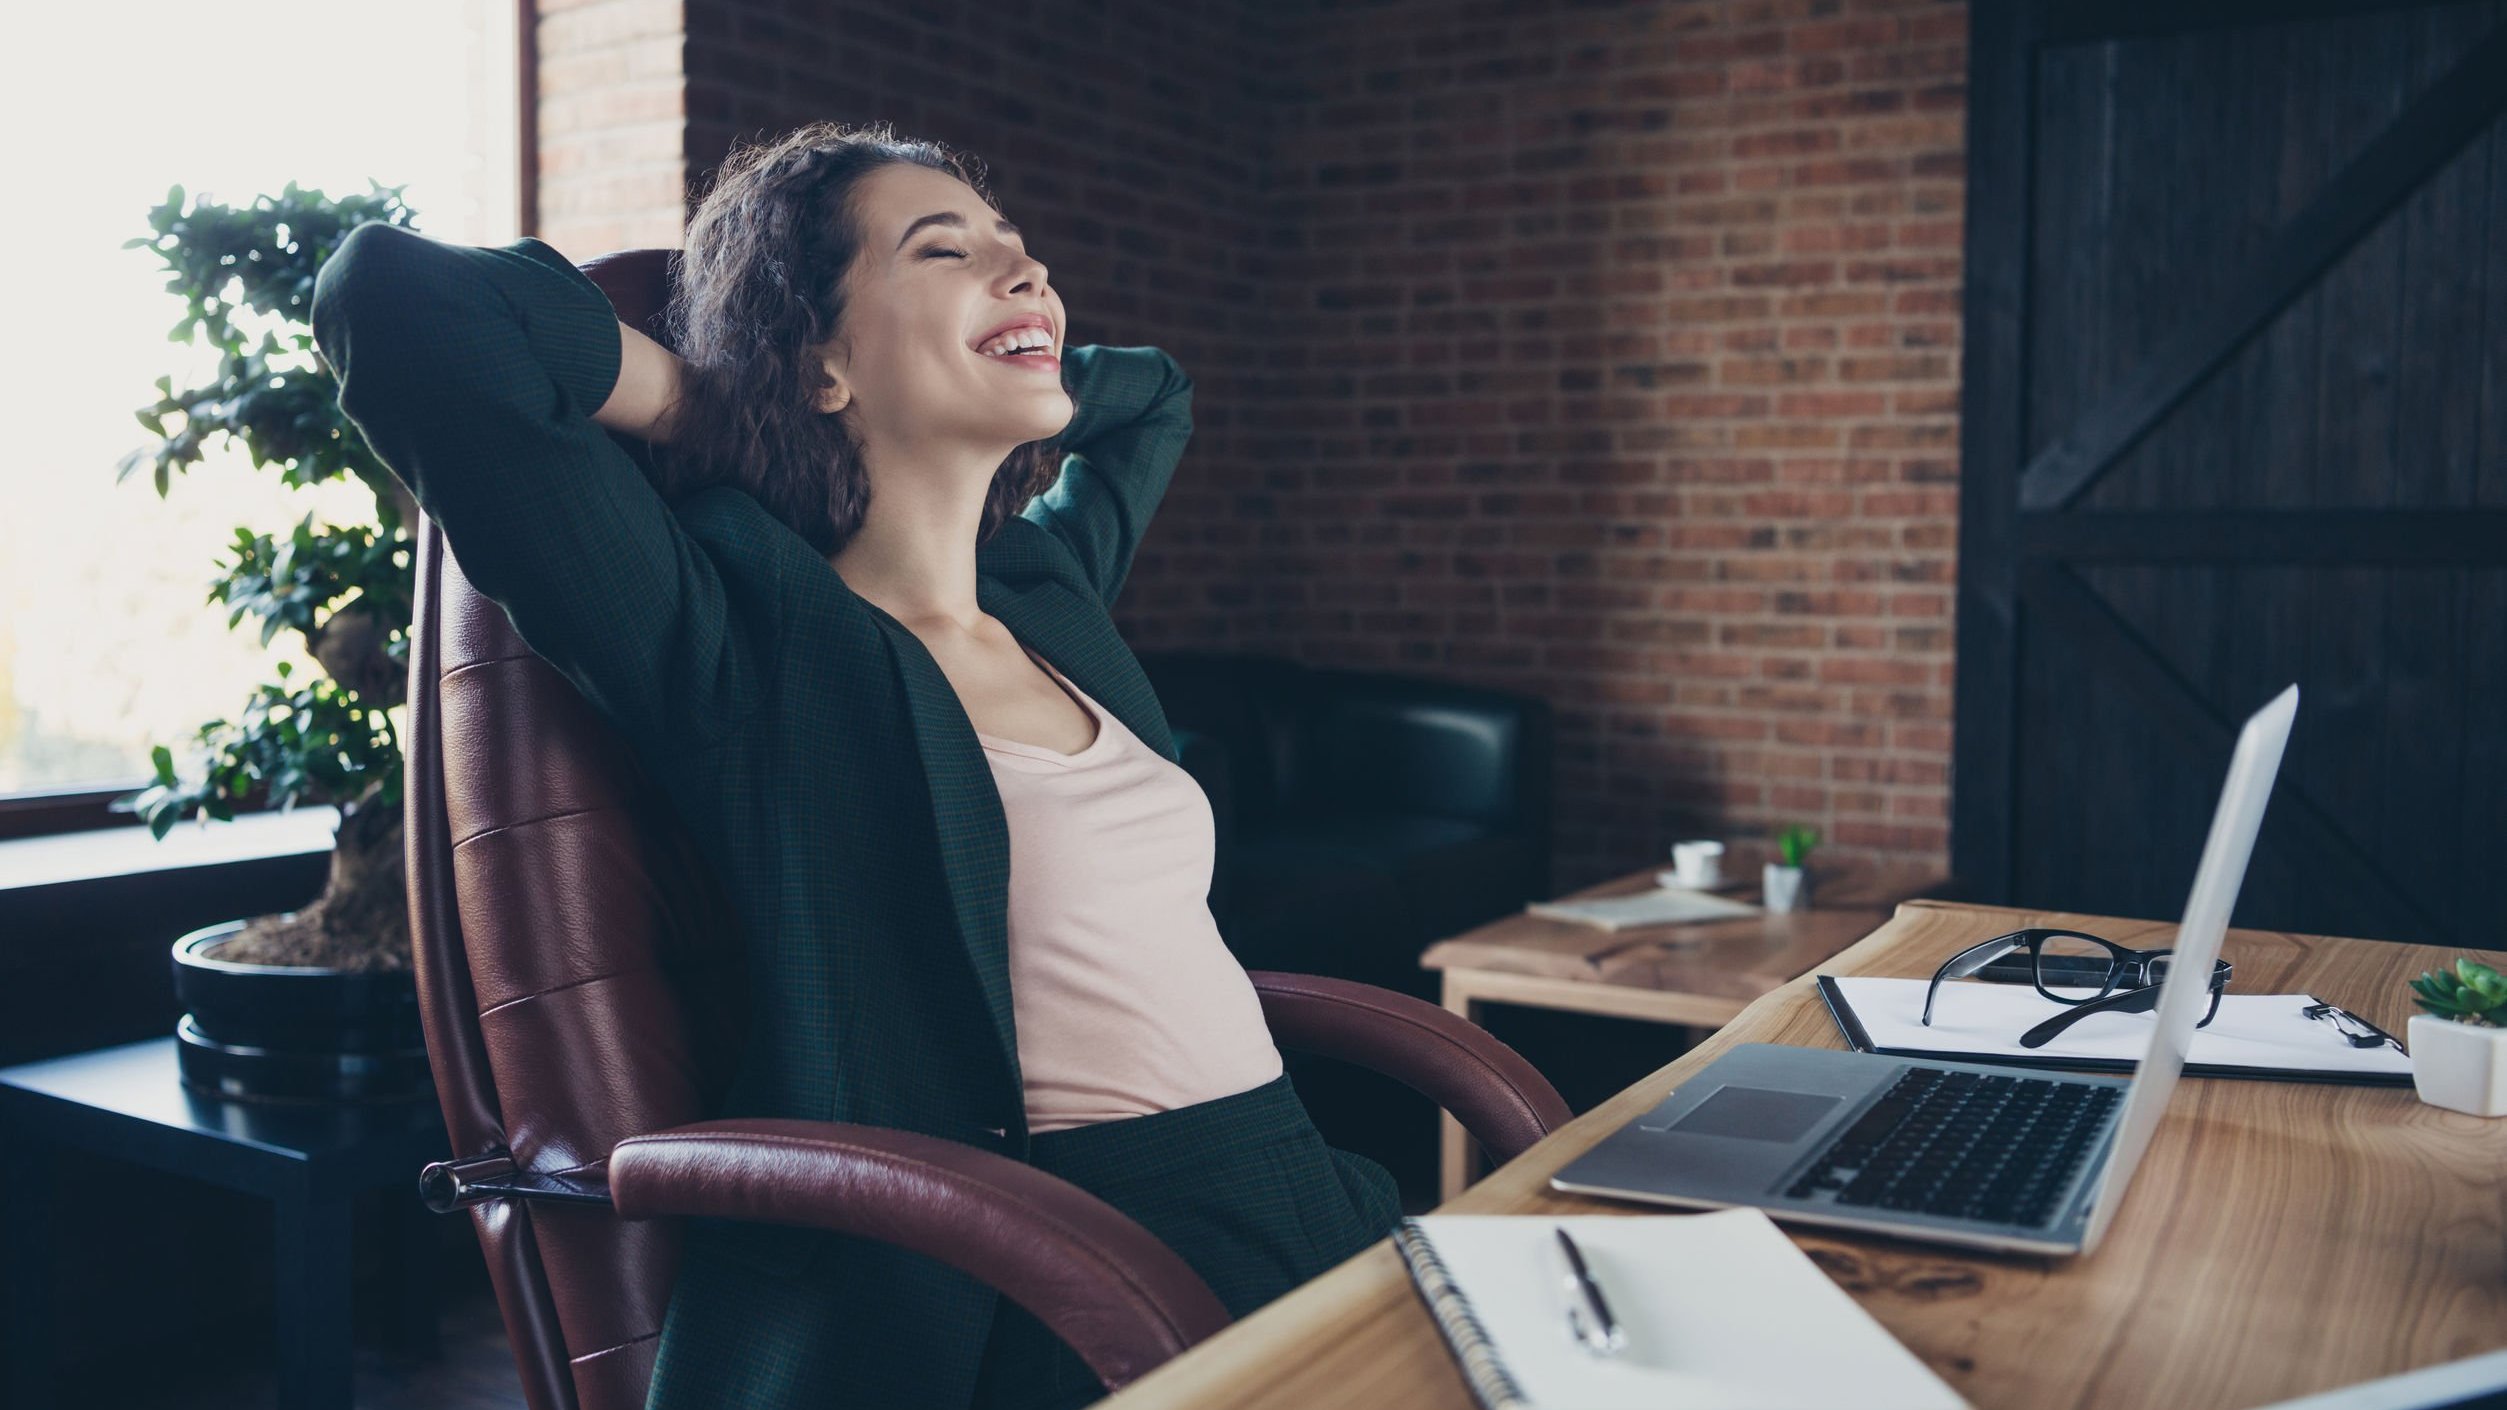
[1126,1000]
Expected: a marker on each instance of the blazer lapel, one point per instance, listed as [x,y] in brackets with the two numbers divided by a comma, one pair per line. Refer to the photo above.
[974,836]
[1071,630]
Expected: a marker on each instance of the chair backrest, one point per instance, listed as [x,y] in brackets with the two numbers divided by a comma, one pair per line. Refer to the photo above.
[576,960]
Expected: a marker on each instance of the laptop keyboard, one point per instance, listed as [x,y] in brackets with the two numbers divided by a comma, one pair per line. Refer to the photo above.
[1969,1145]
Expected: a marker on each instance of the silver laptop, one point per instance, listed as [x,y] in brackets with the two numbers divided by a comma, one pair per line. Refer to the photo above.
[1819,1136]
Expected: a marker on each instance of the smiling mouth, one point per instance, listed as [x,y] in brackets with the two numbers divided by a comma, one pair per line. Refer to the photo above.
[1033,359]
[1029,345]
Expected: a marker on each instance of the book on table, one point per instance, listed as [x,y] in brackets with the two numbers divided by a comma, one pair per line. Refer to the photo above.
[1664,906]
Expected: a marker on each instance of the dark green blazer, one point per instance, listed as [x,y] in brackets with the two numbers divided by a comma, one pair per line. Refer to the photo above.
[806,738]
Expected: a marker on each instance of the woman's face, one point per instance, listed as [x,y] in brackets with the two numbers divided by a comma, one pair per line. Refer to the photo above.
[939,274]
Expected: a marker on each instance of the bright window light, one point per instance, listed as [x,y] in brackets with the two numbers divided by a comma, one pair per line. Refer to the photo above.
[108,644]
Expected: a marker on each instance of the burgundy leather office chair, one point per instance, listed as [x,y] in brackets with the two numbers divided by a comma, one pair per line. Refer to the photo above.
[580,1020]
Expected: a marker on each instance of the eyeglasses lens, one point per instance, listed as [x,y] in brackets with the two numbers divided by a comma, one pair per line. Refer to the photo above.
[2073,971]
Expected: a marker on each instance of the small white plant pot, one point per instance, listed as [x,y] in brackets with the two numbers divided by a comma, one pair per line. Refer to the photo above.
[1788,889]
[2459,1066]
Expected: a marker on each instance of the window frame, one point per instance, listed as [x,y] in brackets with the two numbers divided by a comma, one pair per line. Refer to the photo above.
[42,812]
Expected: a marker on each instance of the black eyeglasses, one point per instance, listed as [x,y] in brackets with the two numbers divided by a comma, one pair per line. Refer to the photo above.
[2083,972]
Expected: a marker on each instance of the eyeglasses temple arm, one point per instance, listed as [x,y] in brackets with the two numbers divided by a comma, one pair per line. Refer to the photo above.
[2124,1001]
[1965,963]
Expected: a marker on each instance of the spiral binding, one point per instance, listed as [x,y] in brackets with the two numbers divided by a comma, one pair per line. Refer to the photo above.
[1481,1369]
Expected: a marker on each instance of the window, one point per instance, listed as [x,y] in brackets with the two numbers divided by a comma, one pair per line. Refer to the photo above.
[108,644]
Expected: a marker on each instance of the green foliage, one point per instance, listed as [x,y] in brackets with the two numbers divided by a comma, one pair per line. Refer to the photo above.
[287,584]
[262,257]
[315,741]
[274,395]
[1795,841]
[2471,992]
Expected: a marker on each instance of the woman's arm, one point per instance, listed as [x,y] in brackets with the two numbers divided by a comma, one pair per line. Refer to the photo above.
[645,402]
[476,372]
[1134,413]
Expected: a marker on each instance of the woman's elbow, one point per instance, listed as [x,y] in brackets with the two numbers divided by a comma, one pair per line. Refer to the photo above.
[389,317]
[351,299]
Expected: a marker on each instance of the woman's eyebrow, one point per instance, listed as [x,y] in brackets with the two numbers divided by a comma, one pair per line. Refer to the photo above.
[950,218]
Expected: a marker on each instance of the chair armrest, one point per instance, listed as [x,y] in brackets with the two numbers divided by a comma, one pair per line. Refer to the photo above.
[1106,1286]
[1502,1100]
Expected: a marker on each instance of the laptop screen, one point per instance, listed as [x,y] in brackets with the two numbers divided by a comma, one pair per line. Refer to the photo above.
[2185,991]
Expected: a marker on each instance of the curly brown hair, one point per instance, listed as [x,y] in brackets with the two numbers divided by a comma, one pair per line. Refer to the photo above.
[759,283]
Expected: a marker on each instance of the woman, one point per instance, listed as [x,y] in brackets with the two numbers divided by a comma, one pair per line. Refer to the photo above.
[858,634]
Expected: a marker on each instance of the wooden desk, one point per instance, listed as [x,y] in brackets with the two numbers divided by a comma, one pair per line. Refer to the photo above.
[2279,1238]
[1701,974]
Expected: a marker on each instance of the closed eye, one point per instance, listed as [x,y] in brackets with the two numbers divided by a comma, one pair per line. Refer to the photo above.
[943,250]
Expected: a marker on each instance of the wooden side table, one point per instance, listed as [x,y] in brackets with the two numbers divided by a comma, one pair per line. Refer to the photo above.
[309,1161]
[1697,975]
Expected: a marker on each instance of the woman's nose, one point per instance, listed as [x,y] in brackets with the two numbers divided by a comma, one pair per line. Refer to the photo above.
[1026,275]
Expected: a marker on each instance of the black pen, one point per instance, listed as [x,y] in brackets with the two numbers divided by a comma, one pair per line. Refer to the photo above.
[1588,1313]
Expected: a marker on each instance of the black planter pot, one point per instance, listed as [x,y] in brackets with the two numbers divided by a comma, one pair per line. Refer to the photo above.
[295,1033]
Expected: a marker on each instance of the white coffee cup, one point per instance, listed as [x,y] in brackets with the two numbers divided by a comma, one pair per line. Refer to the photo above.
[1698,865]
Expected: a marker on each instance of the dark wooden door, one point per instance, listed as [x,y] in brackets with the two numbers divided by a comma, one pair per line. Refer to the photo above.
[2236,416]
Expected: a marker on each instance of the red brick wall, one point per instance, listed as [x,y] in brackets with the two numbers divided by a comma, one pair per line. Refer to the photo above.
[612,124]
[1618,363]
[1604,353]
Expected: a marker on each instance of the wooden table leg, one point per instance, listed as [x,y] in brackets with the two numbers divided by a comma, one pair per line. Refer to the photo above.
[26,1194]
[1456,1157]
[313,1303]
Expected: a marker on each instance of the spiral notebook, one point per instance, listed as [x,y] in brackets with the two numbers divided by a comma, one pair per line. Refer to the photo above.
[1722,1312]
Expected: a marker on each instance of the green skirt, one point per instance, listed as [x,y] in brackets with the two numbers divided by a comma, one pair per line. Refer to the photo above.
[1242,1187]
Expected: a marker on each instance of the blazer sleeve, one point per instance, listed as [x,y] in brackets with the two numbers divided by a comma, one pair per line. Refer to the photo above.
[1133,413]
[474,371]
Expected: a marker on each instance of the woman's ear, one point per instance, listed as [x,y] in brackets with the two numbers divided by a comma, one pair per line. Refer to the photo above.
[833,394]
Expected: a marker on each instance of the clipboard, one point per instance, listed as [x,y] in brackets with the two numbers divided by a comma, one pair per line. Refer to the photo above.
[2264,1033]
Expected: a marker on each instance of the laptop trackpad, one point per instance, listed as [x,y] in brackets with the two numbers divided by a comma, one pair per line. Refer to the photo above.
[1757,1114]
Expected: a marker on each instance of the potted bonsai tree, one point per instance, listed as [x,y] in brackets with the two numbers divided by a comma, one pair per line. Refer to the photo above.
[1787,885]
[2458,1049]
[318,1002]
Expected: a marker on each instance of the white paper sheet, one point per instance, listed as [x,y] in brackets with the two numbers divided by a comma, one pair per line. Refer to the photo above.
[1722,1312]
[1984,1021]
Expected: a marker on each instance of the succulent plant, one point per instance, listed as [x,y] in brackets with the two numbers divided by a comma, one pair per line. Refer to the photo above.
[2471,992]
[1795,841]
